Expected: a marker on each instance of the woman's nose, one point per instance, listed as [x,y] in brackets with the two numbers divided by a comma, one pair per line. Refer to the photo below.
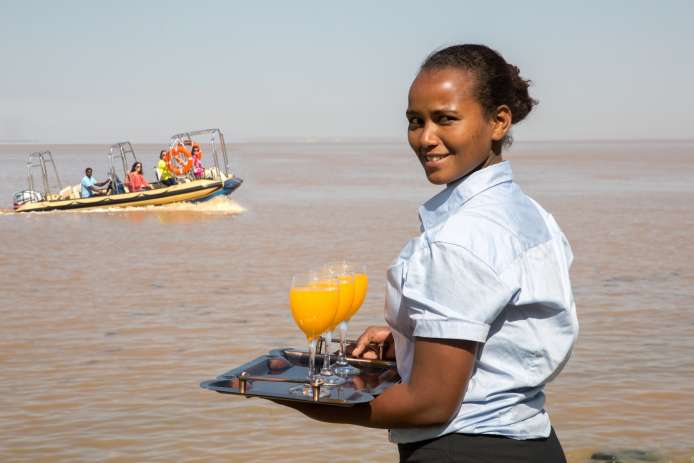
[428,136]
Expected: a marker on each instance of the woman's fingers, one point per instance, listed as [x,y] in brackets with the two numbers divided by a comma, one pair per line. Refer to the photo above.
[370,355]
[368,352]
[375,334]
[361,344]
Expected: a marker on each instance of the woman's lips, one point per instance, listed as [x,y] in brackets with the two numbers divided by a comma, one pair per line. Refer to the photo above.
[433,160]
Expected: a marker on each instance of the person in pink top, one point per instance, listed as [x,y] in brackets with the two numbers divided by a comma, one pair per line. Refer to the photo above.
[198,168]
[135,181]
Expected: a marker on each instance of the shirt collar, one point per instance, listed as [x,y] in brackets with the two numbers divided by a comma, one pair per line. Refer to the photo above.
[439,207]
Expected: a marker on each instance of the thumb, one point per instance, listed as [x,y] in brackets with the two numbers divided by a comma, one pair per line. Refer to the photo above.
[362,342]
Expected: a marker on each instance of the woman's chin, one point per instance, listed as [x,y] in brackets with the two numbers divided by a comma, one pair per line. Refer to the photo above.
[437,177]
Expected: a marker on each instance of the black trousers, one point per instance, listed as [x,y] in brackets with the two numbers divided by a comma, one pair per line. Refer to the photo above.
[479,448]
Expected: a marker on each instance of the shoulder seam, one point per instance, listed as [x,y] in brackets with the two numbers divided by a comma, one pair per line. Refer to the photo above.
[469,251]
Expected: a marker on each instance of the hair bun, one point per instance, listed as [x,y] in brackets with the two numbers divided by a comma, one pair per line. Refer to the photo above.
[521,103]
[497,82]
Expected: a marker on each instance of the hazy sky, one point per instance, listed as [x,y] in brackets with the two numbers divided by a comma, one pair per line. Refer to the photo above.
[98,71]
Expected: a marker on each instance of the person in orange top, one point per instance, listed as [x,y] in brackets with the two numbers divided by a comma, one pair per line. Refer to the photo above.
[135,181]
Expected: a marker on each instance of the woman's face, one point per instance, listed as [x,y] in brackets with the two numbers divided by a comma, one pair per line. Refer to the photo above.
[448,130]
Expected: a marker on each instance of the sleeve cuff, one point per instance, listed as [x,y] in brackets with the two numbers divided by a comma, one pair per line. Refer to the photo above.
[452,329]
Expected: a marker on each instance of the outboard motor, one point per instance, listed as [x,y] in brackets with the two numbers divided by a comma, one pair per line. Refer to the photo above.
[27,196]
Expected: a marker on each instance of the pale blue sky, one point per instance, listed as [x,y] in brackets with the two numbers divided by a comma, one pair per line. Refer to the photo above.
[97,71]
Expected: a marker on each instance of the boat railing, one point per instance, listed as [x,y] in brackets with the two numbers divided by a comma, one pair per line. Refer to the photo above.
[42,162]
[215,140]
[120,157]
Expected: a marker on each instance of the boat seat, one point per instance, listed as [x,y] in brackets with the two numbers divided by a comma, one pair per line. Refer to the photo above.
[70,192]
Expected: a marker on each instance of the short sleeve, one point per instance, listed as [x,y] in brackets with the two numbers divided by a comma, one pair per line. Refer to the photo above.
[450,293]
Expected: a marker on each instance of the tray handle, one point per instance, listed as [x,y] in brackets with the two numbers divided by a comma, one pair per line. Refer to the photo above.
[244,377]
[379,348]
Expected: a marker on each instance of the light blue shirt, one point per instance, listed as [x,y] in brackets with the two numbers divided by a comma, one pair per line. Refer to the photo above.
[490,266]
[86,182]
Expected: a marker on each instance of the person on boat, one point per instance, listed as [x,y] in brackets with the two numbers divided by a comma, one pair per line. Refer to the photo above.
[165,175]
[90,187]
[134,180]
[198,168]
[479,307]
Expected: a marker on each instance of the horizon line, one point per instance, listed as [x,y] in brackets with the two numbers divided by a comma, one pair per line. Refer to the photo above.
[356,140]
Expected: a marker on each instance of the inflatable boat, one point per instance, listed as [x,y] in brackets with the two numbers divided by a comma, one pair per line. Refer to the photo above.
[188,185]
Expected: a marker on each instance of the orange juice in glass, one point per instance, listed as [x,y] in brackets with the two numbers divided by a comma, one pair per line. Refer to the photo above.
[346,299]
[314,302]
[347,295]
[361,283]
[311,308]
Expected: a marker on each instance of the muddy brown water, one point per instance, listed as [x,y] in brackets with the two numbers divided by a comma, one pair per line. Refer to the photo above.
[111,319]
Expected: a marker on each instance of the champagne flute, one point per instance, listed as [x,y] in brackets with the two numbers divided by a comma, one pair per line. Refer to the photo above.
[314,301]
[346,297]
[361,283]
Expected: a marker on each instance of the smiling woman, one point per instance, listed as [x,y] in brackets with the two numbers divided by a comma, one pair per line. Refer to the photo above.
[461,107]
[479,306]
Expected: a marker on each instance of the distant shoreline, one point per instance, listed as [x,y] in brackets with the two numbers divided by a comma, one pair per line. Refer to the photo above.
[359,141]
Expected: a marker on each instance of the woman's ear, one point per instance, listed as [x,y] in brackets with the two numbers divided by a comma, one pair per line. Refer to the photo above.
[501,122]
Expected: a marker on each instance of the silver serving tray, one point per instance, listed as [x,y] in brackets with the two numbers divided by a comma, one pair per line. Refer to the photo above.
[270,376]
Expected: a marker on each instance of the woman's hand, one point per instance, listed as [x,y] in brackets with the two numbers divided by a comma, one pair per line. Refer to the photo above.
[377,335]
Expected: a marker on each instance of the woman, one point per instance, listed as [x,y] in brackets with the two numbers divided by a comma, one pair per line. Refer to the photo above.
[479,306]
[166,177]
[134,180]
[198,168]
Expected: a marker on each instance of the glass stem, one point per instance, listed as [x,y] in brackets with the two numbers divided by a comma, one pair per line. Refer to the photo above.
[326,358]
[311,359]
[343,332]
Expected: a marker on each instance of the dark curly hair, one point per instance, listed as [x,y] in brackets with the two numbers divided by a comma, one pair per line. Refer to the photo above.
[496,81]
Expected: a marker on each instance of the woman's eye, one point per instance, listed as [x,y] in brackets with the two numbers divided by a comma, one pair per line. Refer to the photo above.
[414,122]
